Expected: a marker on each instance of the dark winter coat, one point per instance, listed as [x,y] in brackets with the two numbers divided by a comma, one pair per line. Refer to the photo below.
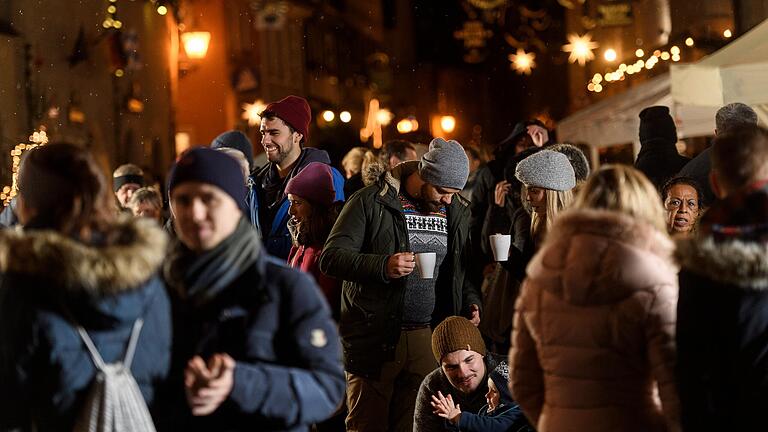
[273,321]
[273,216]
[722,317]
[47,281]
[659,161]
[698,169]
[370,229]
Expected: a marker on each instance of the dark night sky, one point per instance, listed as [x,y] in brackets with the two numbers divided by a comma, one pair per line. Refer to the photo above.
[504,97]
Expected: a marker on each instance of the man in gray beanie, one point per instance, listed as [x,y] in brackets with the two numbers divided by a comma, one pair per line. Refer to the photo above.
[388,307]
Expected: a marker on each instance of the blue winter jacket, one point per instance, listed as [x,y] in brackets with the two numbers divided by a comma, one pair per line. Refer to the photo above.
[274,230]
[47,282]
[277,326]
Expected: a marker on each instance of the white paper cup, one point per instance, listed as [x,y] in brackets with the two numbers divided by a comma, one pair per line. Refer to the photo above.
[500,244]
[426,263]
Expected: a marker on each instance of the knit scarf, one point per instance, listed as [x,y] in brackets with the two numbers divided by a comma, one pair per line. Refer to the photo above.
[200,278]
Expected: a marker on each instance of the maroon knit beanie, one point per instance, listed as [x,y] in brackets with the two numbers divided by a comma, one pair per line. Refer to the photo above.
[314,183]
[295,111]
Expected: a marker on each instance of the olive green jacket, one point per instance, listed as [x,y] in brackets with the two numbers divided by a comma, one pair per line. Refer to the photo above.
[371,228]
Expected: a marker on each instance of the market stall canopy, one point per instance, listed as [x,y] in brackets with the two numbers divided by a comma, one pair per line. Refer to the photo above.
[736,73]
[615,120]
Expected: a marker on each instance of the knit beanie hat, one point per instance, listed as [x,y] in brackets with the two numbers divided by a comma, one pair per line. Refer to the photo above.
[127,174]
[656,125]
[500,377]
[236,140]
[209,166]
[314,183]
[295,111]
[445,164]
[546,169]
[577,158]
[456,333]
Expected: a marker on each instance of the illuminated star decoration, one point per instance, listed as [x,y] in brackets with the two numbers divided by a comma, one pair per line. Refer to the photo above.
[580,48]
[251,112]
[522,62]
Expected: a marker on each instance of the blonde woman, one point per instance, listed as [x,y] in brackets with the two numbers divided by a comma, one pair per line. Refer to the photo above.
[548,179]
[593,336]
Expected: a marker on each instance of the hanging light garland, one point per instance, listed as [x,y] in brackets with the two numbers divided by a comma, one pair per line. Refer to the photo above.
[38,138]
[598,81]
[111,20]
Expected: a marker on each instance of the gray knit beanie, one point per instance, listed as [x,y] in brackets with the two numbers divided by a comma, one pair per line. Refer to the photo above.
[445,164]
[546,169]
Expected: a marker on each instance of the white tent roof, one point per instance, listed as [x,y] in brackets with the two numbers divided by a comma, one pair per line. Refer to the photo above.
[615,120]
[736,73]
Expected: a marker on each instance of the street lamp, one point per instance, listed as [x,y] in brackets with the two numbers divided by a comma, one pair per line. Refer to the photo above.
[196,43]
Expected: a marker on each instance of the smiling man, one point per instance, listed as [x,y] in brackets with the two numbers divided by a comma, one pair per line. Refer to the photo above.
[284,134]
[387,308]
[463,374]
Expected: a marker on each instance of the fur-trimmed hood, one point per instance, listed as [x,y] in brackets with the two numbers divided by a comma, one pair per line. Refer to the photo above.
[599,257]
[81,268]
[736,262]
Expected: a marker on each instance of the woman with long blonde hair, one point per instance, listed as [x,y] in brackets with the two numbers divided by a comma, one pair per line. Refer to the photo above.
[594,325]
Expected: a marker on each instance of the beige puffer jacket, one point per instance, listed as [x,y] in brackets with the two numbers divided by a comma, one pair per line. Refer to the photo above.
[594,328]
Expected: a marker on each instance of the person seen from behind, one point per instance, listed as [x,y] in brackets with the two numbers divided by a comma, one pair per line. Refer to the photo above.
[722,313]
[126,180]
[76,273]
[593,336]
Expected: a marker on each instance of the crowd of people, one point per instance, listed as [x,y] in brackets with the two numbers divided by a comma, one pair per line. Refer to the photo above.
[292,295]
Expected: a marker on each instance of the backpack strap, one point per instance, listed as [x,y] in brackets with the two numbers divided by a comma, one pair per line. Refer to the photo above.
[129,352]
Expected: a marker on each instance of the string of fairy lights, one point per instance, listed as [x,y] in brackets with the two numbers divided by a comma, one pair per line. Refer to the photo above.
[38,138]
[111,19]
[599,81]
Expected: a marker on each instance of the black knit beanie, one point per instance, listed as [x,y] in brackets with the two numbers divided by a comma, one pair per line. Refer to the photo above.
[209,166]
[656,125]
[237,140]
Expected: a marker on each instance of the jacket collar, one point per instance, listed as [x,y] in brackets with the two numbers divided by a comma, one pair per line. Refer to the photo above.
[79,267]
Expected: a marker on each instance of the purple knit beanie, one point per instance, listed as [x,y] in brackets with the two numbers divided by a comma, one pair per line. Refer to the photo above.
[314,183]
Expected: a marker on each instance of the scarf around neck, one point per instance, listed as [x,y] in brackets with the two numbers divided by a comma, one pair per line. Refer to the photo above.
[200,278]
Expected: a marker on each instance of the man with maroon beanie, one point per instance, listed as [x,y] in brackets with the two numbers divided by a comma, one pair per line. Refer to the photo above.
[284,134]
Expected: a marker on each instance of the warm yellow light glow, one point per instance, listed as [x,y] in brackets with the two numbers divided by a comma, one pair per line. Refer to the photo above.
[328,115]
[689,42]
[384,116]
[675,50]
[580,48]
[727,33]
[522,62]
[598,88]
[162,10]
[111,9]
[448,123]
[665,55]
[117,24]
[639,52]
[119,73]
[675,58]
[597,79]
[345,116]
[622,67]
[404,126]
[591,86]
[609,55]
[196,43]
[251,112]
[107,23]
